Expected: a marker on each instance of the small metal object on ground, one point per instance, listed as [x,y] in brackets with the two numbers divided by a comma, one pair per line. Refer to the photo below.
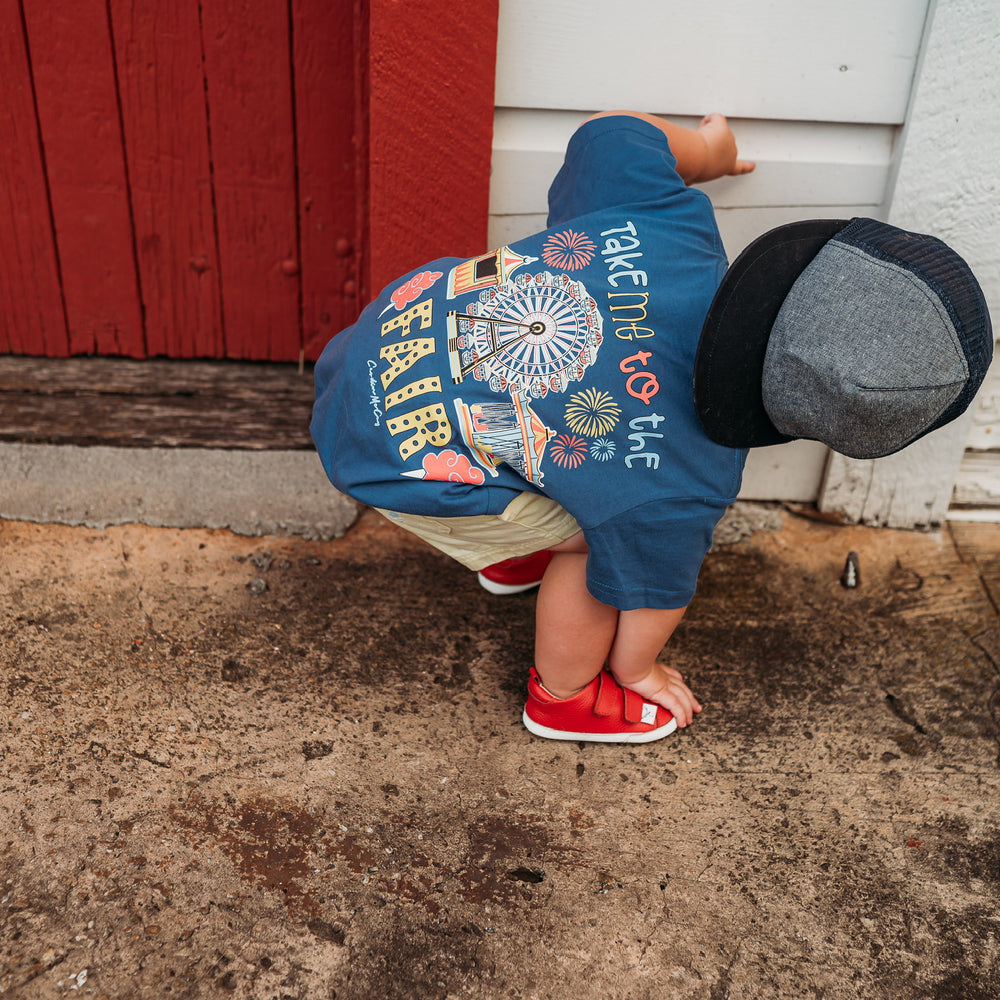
[851,577]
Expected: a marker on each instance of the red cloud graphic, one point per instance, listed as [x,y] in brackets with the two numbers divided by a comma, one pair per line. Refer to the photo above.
[450,467]
[411,289]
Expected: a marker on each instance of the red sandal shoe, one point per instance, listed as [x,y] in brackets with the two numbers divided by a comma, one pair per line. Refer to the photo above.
[603,712]
[513,576]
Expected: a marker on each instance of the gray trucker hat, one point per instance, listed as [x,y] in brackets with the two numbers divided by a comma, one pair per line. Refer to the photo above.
[857,334]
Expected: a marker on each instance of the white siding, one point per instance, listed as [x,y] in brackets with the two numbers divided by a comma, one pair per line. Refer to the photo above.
[803,170]
[803,60]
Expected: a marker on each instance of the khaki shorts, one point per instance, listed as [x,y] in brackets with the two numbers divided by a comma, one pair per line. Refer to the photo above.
[529,523]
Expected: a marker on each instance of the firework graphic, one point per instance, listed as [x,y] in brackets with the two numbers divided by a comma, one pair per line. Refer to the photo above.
[592,412]
[568,450]
[602,450]
[568,250]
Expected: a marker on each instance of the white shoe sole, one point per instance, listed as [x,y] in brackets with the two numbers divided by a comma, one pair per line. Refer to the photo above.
[562,734]
[503,589]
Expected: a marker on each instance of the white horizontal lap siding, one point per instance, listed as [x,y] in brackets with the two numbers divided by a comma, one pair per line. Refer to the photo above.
[803,169]
[809,60]
[815,92]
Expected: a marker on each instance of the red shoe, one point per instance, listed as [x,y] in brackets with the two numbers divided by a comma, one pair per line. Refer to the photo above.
[512,576]
[603,712]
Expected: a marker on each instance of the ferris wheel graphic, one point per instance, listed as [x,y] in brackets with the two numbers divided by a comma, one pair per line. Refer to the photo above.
[533,335]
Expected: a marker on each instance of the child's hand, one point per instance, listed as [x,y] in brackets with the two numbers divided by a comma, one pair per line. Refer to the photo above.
[721,159]
[665,686]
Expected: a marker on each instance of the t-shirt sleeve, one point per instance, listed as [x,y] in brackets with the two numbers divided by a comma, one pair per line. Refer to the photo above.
[612,161]
[650,556]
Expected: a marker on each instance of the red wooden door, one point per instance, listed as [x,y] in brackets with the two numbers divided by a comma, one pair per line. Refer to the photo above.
[229,178]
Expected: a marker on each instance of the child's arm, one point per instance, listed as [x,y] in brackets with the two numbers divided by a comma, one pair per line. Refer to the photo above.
[703,153]
[641,636]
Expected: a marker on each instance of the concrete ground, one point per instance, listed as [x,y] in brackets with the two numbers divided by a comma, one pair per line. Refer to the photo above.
[278,768]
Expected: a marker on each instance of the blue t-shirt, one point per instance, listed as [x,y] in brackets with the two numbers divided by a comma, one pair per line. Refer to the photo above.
[560,364]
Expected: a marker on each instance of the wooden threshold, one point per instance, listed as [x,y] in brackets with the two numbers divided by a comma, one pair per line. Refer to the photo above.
[155,403]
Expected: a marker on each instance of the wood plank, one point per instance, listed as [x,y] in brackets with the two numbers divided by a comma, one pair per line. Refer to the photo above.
[911,488]
[164,118]
[741,226]
[74,76]
[851,61]
[32,320]
[790,472]
[431,76]
[155,403]
[985,430]
[798,163]
[248,83]
[327,105]
[978,544]
[978,481]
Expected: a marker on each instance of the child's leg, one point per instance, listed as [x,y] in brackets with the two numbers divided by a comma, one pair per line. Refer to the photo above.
[574,631]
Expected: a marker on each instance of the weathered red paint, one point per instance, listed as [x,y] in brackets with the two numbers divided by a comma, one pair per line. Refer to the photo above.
[329,118]
[232,178]
[74,80]
[249,89]
[432,67]
[31,310]
[166,131]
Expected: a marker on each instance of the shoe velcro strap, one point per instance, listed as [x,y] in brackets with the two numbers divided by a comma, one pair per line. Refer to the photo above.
[608,702]
[608,695]
[633,706]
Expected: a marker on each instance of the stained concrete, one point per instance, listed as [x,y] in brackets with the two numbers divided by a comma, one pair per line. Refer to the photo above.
[281,768]
[249,492]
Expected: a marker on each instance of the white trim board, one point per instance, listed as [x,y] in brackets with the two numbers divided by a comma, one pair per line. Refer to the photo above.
[946,187]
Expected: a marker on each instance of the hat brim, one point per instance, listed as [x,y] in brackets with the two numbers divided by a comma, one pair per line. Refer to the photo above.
[729,363]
